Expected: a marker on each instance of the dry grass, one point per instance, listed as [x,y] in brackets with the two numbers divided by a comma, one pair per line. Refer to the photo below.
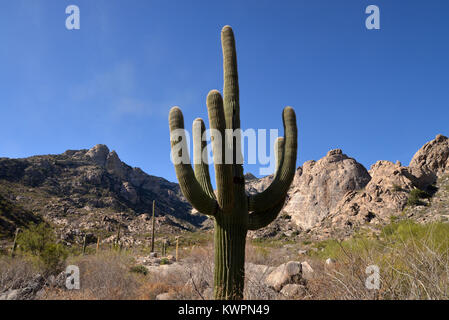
[409,270]
[414,264]
[102,277]
[15,273]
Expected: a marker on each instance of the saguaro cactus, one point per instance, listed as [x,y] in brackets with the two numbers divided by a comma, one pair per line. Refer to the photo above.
[234,211]
[84,244]
[152,227]
[14,245]
[98,245]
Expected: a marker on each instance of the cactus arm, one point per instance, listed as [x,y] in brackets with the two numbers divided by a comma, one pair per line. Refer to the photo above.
[223,171]
[260,219]
[190,187]
[232,110]
[279,186]
[201,167]
[231,81]
[279,153]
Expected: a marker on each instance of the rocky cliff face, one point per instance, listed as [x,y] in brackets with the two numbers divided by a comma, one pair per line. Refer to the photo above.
[94,190]
[431,161]
[335,195]
[83,189]
[320,185]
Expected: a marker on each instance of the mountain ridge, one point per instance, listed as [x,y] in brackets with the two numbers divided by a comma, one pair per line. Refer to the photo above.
[92,189]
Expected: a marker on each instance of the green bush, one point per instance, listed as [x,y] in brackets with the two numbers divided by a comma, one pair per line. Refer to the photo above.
[39,242]
[334,249]
[416,196]
[435,235]
[139,269]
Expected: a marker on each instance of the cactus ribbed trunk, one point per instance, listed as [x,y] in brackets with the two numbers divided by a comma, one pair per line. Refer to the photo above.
[229,273]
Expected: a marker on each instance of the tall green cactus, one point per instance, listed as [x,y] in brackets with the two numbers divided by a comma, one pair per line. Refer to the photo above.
[234,211]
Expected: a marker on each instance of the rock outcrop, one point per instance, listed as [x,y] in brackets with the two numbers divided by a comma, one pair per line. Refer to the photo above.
[431,161]
[88,189]
[320,185]
[335,195]
[384,196]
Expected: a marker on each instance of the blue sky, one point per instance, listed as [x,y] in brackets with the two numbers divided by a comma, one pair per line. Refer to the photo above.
[376,94]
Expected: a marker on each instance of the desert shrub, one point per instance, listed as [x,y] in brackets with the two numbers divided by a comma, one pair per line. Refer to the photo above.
[39,243]
[15,272]
[334,248]
[433,235]
[105,276]
[139,269]
[416,196]
[413,260]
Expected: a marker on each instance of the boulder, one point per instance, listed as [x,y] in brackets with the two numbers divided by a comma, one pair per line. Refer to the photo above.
[286,273]
[431,161]
[307,272]
[293,291]
[165,296]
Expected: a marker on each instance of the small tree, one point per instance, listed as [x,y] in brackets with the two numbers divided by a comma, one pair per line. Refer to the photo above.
[39,242]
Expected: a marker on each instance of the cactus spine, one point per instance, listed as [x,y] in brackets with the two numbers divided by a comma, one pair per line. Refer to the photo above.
[152,227]
[234,211]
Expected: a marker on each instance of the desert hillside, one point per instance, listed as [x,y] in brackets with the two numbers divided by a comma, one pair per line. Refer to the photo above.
[94,192]
[90,209]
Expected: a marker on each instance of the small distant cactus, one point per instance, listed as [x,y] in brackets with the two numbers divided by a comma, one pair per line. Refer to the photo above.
[14,245]
[98,245]
[177,249]
[84,244]
[117,243]
[152,226]
[164,247]
[234,211]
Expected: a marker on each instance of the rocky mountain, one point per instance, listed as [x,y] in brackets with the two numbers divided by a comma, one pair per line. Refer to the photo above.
[90,190]
[320,186]
[336,195]
[94,191]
